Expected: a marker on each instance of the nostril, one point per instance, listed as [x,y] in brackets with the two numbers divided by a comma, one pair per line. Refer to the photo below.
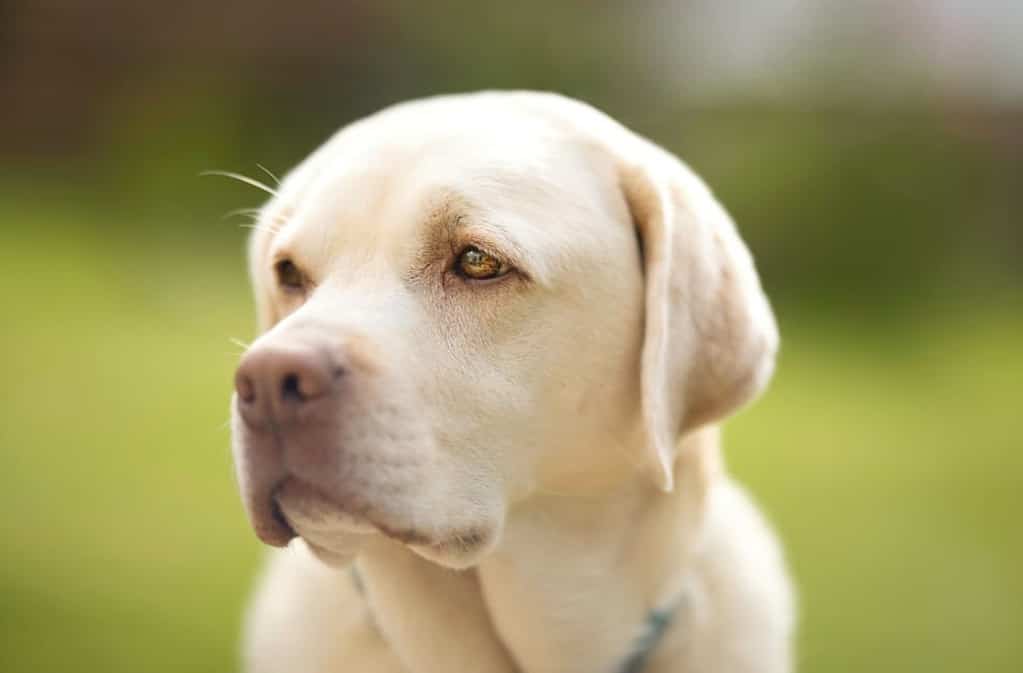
[244,387]
[291,389]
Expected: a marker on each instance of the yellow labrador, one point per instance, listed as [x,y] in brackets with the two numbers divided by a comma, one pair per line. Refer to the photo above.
[498,331]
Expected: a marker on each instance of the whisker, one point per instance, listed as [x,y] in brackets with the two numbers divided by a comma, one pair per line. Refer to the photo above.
[237,212]
[255,226]
[242,178]
[256,214]
[238,342]
[277,180]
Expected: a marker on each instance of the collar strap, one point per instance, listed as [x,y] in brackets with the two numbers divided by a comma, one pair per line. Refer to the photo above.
[657,623]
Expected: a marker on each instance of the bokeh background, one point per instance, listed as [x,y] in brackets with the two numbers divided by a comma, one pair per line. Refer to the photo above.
[871,152]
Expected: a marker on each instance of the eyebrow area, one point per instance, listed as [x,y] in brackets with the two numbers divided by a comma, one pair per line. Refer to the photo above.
[452,223]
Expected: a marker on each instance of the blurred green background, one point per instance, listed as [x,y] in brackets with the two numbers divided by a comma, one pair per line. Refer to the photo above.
[872,154]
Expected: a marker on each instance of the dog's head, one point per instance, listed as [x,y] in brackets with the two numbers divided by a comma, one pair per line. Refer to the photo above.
[467,299]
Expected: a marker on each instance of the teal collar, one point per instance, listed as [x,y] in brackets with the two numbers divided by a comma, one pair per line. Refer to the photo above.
[656,626]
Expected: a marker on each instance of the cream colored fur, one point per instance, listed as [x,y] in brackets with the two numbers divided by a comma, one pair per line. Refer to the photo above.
[540,464]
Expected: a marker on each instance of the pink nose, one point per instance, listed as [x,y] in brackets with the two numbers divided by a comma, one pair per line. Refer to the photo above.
[281,384]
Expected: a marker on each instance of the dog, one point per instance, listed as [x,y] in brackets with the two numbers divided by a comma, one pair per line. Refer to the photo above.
[498,333]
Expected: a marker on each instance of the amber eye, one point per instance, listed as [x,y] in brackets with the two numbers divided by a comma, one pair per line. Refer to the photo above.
[288,275]
[475,264]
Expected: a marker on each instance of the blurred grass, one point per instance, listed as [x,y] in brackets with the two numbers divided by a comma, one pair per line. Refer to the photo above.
[887,453]
[890,462]
[127,548]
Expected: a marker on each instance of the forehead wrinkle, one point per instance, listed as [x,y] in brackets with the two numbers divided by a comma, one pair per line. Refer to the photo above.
[453,221]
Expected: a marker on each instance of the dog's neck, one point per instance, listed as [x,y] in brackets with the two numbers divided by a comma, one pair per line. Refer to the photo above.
[576,579]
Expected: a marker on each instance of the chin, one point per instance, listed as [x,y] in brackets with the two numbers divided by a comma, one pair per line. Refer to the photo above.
[336,528]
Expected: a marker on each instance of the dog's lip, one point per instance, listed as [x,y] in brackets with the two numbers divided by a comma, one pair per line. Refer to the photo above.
[282,521]
[301,506]
[270,524]
[300,496]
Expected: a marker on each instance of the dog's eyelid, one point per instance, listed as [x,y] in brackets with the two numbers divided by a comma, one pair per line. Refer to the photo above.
[461,223]
[474,263]
[496,246]
[510,264]
[290,275]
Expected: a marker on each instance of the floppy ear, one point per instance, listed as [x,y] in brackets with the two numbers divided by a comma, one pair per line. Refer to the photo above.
[710,336]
